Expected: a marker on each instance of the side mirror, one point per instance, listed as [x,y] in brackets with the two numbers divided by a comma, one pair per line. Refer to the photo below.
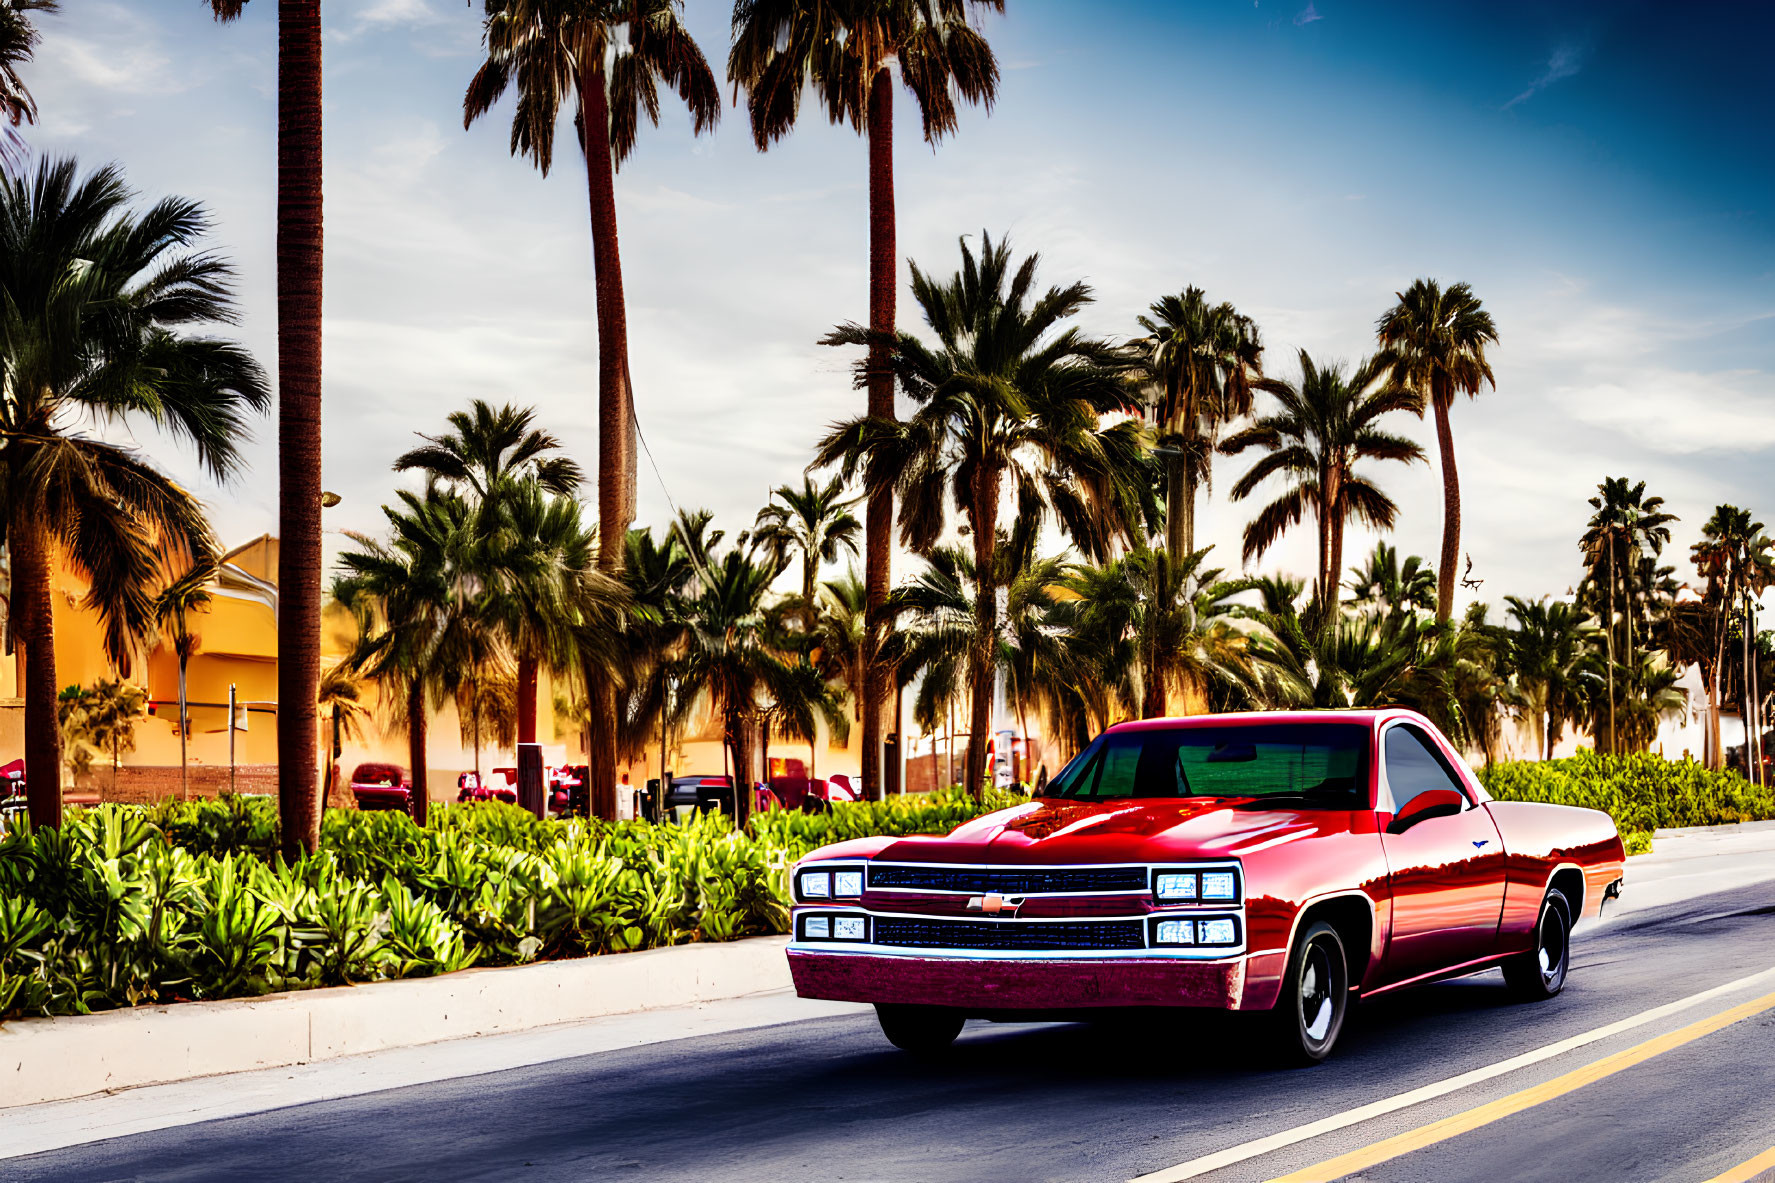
[1426,805]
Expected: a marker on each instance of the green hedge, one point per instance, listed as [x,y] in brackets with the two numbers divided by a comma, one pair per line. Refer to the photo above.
[123,906]
[1642,792]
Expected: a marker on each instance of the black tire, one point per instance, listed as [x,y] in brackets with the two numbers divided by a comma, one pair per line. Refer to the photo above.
[1315,996]
[921,1030]
[1540,973]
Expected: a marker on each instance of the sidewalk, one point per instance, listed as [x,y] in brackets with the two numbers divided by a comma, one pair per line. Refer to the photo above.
[31,1129]
[1695,861]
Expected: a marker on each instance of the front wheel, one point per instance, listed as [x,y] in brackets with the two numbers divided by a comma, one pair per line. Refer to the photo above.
[921,1030]
[1309,1013]
[1540,973]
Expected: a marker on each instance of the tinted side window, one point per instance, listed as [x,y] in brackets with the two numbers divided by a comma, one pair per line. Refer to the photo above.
[1412,767]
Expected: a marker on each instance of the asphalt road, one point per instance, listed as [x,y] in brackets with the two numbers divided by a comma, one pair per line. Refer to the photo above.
[828,1099]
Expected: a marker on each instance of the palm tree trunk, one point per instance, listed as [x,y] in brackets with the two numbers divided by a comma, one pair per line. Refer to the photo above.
[1180,508]
[949,761]
[526,699]
[1320,592]
[614,414]
[1335,560]
[1609,637]
[984,517]
[742,770]
[299,275]
[1451,516]
[878,528]
[421,800]
[34,608]
[474,710]
[185,730]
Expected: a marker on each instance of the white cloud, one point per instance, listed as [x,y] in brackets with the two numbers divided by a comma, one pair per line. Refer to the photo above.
[1565,61]
[119,67]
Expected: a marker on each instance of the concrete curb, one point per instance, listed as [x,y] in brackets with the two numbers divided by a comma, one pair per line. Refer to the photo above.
[1723,828]
[60,1058]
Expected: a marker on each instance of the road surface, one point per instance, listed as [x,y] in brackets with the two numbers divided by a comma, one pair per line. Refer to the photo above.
[1652,1084]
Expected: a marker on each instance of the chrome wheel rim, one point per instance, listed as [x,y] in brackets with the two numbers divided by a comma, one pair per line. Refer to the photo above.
[1550,945]
[1316,1004]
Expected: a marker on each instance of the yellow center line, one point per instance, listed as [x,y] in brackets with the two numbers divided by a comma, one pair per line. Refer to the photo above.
[1762,1166]
[1482,1115]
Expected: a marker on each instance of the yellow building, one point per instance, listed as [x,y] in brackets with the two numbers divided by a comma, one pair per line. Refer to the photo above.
[237,647]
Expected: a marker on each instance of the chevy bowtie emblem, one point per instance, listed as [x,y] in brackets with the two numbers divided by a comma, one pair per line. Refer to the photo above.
[995,905]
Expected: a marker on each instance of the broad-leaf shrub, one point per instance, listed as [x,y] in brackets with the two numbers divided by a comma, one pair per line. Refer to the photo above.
[1642,792]
[126,905]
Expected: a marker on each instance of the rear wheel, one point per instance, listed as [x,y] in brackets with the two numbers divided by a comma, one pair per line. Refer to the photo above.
[1540,973]
[921,1030]
[1309,1013]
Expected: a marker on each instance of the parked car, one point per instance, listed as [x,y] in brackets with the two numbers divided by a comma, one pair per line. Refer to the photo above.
[470,787]
[1280,863]
[808,794]
[382,786]
[12,790]
[701,792]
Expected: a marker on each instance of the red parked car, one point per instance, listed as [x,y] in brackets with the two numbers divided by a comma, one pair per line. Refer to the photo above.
[382,786]
[12,789]
[808,794]
[1275,862]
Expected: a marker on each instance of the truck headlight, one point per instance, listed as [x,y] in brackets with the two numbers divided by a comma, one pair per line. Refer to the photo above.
[1174,932]
[850,928]
[1218,932]
[847,884]
[1220,885]
[816,928]
[1174,885]
[814,885]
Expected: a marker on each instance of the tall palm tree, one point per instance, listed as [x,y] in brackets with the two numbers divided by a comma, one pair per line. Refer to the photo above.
[539,586]
[1435,342]
[1199,361]
[487,447]
[18,44]
[658,577]
[341,702]
[1549,653]
[1360,659]
[174,606]
[1734,557]
[816,523]
[406,596]
[498,459]
[605,61]
[844,52]
[1322,429]
[1388,585]
[1626,527]
[1176,625]
[728,657]
[949,638]
[299,281]
[100,718]
[1010,399]
[840,637]
[92,299]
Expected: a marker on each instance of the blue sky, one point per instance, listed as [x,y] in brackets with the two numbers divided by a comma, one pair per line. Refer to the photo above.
[1603,175]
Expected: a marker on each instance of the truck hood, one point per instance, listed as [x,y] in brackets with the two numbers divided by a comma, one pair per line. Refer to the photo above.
[1146,830]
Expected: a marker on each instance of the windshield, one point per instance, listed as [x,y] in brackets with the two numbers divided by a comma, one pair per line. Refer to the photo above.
[1320,764]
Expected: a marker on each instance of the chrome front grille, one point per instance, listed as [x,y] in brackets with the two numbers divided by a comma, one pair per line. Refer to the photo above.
[976,880]
[924,932]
